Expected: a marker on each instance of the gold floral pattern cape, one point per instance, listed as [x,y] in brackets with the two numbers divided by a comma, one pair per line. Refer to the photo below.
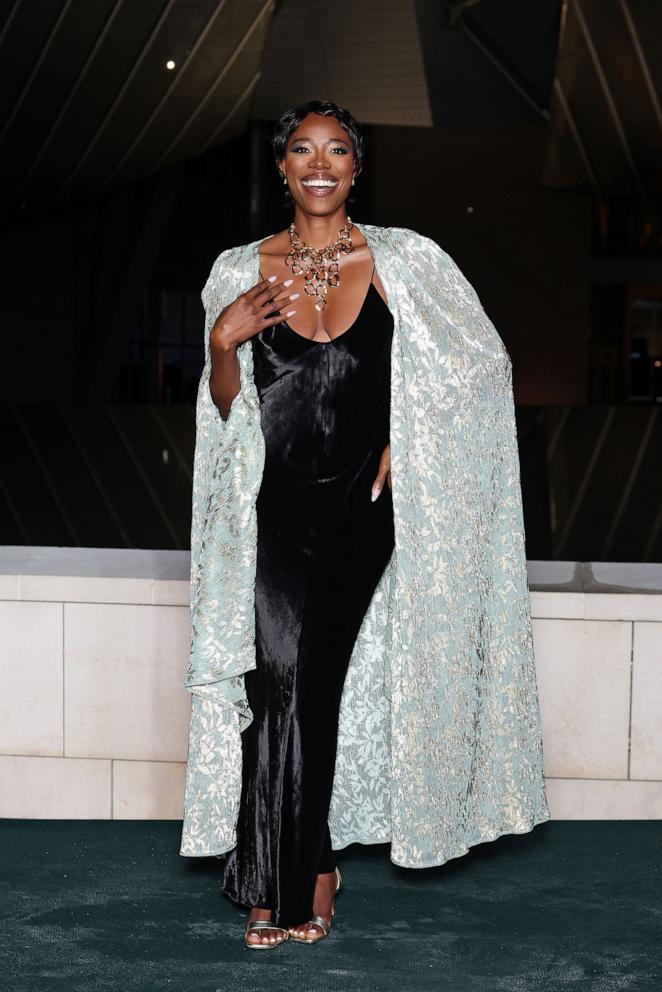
[439,743]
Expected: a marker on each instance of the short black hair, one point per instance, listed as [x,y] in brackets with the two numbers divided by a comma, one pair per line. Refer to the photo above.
[289,121]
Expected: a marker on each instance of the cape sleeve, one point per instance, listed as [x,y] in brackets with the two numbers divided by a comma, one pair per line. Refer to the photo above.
[227,469]
[507,564]
[465,662]
[208,421]
[449,289]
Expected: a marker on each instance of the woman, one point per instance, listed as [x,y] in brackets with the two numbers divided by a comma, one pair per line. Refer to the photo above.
[361,660]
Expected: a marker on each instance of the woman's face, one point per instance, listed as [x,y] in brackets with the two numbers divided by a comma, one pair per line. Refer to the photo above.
[319,164]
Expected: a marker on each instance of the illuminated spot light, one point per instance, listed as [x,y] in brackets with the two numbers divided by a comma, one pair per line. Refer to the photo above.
[170,64]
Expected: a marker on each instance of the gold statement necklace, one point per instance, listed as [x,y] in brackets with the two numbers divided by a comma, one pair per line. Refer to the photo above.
[319,266]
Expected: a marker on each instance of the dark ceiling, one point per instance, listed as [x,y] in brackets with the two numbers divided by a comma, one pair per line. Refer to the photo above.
[606,126]
[87,101]
[88,104]
[489,63]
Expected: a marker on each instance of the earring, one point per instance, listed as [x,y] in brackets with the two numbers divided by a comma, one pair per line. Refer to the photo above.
[284,179]
[353,181]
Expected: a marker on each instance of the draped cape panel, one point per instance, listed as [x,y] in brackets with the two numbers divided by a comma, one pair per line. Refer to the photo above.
[439,743]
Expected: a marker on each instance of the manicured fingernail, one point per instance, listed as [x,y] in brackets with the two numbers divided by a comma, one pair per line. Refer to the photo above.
[288,282]
[294,296]
[375,493]
[290,313]
[272,278]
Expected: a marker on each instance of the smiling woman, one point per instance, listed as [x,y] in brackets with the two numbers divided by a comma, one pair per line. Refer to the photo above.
[361,657]
[325,531]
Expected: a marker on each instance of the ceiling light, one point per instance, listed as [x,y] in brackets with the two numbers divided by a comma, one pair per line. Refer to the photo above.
[170,64]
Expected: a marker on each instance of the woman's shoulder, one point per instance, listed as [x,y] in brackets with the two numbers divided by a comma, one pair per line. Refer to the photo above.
[410,244]
[229,262]
[426,256]
[232,258]
[236,252]
[402,238]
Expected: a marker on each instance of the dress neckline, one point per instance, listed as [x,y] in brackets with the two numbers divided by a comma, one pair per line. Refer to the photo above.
[304,337]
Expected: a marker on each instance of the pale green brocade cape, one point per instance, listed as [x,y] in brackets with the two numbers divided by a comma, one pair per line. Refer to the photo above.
[439,744]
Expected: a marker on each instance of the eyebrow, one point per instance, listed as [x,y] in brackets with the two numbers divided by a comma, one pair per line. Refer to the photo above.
[330,141]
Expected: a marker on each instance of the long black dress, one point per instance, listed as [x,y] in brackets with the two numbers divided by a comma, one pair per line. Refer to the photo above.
[322,547]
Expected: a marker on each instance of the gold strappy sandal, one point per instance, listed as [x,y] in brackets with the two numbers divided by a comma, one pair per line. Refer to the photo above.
[264,925]
[318,921]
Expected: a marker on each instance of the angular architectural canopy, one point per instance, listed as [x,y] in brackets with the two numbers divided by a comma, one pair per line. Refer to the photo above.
[96,95]
[606,125]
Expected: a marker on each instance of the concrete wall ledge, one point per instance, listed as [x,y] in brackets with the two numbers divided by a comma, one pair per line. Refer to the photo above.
[94,713]
[122,575]
[95,575]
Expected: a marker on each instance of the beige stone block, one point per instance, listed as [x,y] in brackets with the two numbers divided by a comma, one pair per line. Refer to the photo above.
[148,790]
[85,589]
[557,604]
[171,592]
[124,681]
[603,799]
[583,671]
[8,586]
[623,606]
[54,788]
[646,730]
[31,678]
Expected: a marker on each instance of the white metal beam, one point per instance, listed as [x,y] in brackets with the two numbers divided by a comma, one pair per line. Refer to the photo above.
[643,62]
[231,112]
[266,8]
[178,76]
[574,130]
[9,19]
[609,97]
[113,107]
[37,66]
[65,106]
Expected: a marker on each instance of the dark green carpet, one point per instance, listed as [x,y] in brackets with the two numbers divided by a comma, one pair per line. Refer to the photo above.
[106,906]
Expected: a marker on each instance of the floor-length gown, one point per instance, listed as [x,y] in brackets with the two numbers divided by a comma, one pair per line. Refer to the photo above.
[322,547]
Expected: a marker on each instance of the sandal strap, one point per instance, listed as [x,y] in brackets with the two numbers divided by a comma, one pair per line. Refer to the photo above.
[319,921]
[264,925]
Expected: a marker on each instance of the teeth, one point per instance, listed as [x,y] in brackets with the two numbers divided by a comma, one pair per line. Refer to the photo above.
[319,182]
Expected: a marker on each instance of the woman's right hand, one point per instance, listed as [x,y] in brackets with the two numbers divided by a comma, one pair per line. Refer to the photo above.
[246,316]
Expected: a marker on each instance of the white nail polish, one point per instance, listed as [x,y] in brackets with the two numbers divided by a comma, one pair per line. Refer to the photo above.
[290,313]
[294,296]
[375,494]
[272,278]
[288,282]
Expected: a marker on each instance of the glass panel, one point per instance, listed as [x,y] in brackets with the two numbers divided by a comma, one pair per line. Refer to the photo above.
[646,350]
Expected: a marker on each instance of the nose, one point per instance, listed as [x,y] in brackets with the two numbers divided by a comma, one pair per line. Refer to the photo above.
[320,159]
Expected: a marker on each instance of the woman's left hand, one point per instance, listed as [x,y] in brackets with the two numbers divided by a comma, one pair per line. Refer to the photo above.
[383,473]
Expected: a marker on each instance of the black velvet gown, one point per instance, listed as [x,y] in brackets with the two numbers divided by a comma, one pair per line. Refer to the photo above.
[322,547]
